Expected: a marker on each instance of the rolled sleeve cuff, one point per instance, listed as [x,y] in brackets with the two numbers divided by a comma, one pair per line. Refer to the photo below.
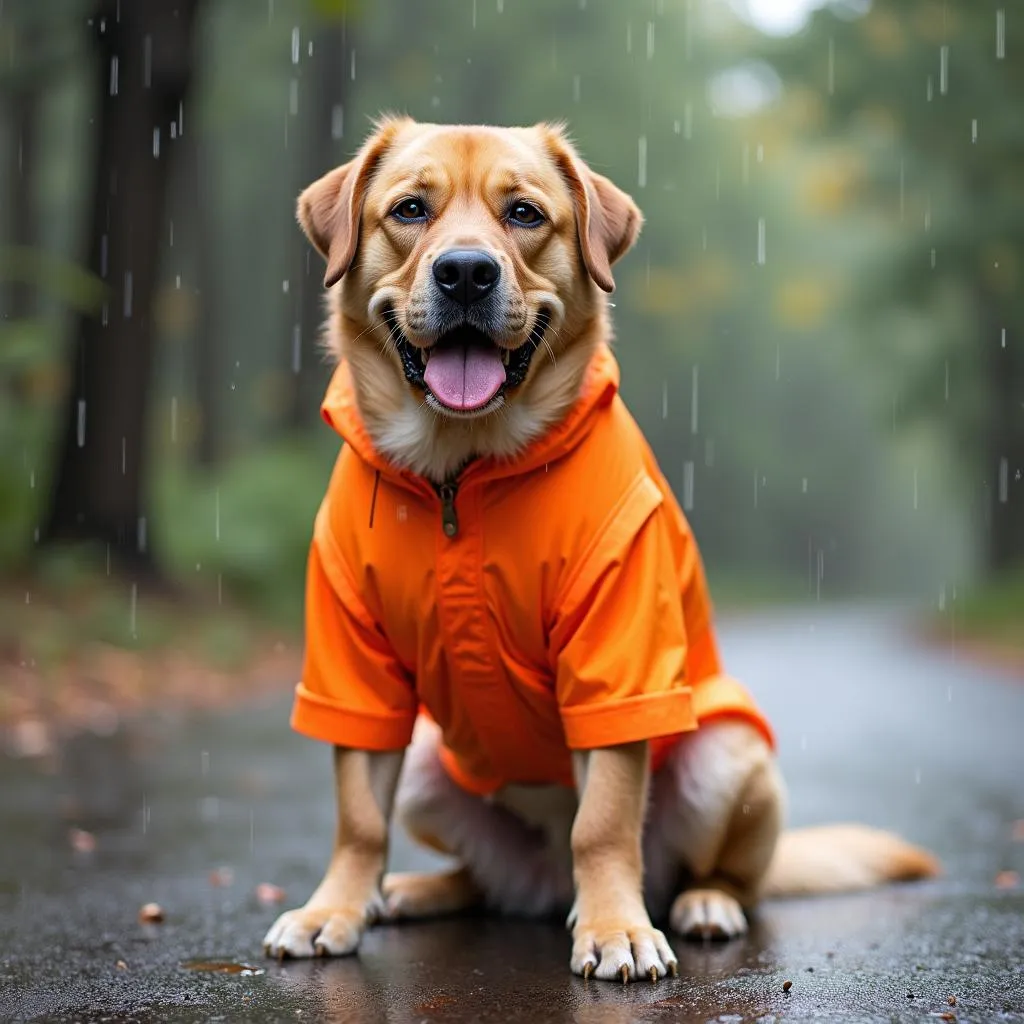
[628,720]
[322,719]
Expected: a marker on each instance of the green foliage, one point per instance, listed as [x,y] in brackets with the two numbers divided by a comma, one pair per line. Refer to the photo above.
[247,528]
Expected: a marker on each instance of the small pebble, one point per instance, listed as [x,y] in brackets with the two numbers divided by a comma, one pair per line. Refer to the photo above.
[910,995]
[151,913]
[951,1000]
[786,986]
[121,965]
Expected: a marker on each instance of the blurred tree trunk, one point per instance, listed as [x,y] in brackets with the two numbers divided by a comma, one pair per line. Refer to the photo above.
[1004,444]
[23,105]
[319,149]
[143,54]
[206,340]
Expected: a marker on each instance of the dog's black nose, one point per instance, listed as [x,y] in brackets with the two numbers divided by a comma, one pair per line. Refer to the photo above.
[466,275]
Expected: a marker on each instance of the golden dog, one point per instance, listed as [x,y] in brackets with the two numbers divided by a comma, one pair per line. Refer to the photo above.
[581,746]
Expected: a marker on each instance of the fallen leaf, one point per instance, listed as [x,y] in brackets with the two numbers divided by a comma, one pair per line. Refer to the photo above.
[268,894]
[81,841]
[222,877]
[121,965]
[786,986]
[151,913]
[1007,880]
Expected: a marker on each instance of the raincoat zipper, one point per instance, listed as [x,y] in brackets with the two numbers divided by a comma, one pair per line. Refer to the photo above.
[449,518]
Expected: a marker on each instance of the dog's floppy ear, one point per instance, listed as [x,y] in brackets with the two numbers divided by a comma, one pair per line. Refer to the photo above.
[607,220]
[329,210]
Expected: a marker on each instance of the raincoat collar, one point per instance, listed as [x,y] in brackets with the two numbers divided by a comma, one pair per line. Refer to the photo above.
[600,386]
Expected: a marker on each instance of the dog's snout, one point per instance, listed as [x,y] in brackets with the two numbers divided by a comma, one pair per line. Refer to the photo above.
[466,275]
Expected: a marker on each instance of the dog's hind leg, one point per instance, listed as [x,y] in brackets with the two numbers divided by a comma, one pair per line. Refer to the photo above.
[504,863]
[717,809]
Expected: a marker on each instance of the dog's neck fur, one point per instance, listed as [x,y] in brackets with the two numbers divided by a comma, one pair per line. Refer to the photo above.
[414,437]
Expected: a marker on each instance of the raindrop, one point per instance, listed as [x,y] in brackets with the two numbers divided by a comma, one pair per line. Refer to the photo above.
[933,258]
[761,253]
[1002,338]
[1004,480]
[688,29]
[352,65]
[171,238]
[181,119]
[641,149]
[629,37]
[81,423]
[147,61]
[127,294]
[760,153]
[174,420]
[803,486]
[902,181]
[216,514]
[778,361]
[974,129]
[650,40]
[209,808]
[917,776]
[693,400]
[295,45]
[501,6]
[293,97]
[943,69]
[296,348]
[435,101]
[156,143]
[929,90]
[576,84]
[285,286]
[915,488]
[177,281]
[473,19]
[687,486]
[204,763]
[309,49]
[1000,33]
[831,65]
[664,399]
[113,76]
[141,533]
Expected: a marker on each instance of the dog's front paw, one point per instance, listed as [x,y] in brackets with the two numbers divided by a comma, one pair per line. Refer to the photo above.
[615,951]
[707,914]
[317,931]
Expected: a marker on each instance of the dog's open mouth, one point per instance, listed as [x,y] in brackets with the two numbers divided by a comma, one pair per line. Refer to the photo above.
[464,371]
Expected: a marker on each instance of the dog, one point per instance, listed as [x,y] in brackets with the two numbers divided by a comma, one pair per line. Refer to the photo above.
[509,637]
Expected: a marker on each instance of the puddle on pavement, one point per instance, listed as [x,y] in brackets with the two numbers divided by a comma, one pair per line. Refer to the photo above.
[224,967]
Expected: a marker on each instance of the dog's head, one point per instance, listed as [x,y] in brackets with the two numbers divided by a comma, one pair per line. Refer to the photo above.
[463,250]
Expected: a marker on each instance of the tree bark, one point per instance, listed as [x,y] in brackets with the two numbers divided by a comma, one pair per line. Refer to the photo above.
[23,105]
[320,148]
[143,67]
[1004,445]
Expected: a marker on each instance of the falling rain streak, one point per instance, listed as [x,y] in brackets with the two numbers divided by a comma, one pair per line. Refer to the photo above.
[1004,481]
[641,150]
[1000,34]
[693,400]
[943,69]
[761,250]
[687,486]
[81,423]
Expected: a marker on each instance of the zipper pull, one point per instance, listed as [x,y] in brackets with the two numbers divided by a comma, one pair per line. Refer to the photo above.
[449,519]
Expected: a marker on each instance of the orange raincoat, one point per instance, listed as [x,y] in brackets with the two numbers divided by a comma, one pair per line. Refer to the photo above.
[550,603]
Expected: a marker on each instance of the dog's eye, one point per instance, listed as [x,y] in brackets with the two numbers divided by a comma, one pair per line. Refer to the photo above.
[409,210]
[525,215]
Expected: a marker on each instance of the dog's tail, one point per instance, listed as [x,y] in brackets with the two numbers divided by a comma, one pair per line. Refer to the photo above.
[843,858]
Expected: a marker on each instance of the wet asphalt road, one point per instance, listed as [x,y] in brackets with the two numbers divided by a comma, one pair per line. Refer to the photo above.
[871,728]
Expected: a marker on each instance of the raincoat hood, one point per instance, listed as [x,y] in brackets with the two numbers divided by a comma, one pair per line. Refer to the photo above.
[340,410]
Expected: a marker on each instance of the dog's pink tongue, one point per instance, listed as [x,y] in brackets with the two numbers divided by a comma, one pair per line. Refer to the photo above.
[464,376]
